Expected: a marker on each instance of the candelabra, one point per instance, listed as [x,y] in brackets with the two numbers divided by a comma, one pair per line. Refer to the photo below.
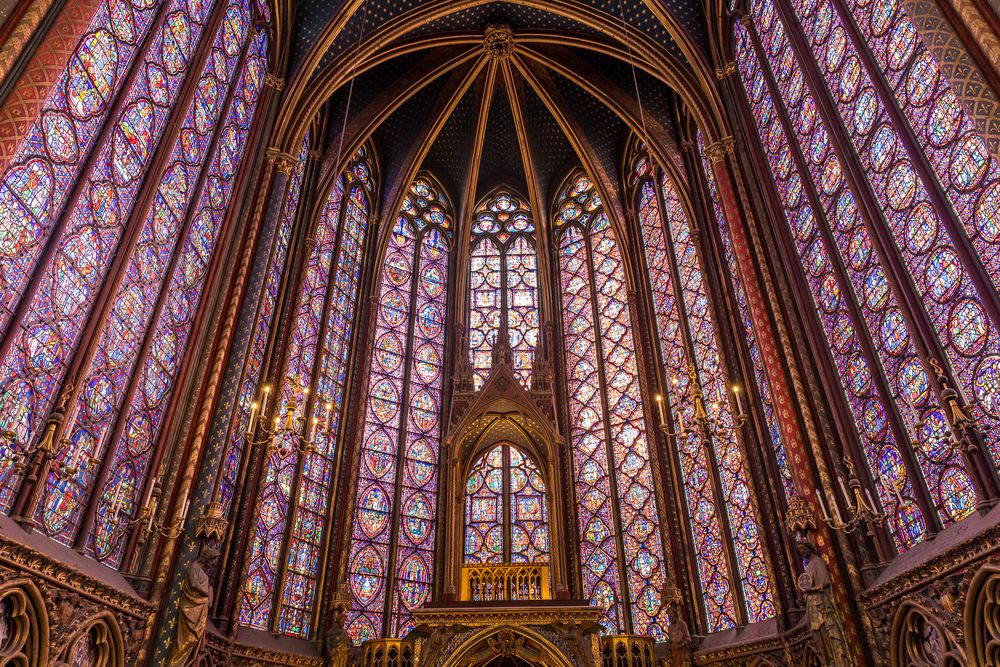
[47,449]
[861,508]
[709,426]
[286,434]
[147,517]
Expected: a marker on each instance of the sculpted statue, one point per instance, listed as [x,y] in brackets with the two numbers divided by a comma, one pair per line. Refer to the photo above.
[338,642]
[192,613]
[821,610]
[679,639]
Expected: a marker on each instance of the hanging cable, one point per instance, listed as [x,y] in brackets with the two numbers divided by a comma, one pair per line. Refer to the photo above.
[635,78]
[350,88]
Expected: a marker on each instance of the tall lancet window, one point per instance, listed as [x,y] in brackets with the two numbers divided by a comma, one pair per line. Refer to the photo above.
[293,505]
[503,284]
[391,559]
[620,546]
[733,574]
[102,269]
[663,295]
[505,509]
[900,252]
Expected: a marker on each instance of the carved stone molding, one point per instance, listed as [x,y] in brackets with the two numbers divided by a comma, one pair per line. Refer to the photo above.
[785,649]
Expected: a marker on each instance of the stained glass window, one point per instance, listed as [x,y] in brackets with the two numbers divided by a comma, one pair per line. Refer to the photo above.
[620,547]
[918,225]
[503,288]
[505,509]
[45,165]
[849,267]
[92,417]
[66,286]
[391,557]
[156,374]
[691,355]
[127,370]
[294,500]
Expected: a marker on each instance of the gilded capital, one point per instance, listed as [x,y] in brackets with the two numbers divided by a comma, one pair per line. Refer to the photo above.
[718,151]
[275,82]
[728,70]
[283,162]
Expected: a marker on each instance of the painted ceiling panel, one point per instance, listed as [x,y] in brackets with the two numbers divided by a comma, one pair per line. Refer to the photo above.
[313,15]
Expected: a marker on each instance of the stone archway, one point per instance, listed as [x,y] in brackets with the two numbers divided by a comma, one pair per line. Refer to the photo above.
[507,646]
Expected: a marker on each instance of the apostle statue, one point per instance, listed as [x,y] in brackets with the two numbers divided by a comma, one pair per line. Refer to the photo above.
[821,611]
[192,612]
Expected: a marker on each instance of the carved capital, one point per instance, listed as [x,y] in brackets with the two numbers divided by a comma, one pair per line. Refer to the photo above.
[728,70]
[275,82]
[211,524]
[283,162]
[718,151]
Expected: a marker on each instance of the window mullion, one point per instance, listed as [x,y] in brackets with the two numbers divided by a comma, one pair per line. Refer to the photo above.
[897,424]
[624,601]
[404,398]
[717,489]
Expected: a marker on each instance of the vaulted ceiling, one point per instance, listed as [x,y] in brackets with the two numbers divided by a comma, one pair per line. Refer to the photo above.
[570,82]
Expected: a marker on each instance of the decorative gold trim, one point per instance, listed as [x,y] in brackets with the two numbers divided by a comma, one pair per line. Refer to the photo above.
[274,81]
[728,70]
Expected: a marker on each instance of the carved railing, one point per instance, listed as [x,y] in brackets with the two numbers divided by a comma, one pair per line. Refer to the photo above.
[505,582]
[387,653]
[627,651]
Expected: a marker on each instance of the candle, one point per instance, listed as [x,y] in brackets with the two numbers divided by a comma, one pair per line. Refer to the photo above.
[680,423]
[660,409]
[151,509]
[822,504]
[329,408]
[843,489]
[836,511]
[184,512]
[263,400]
[871,501]
[75,463]
[739,401]
[253,417]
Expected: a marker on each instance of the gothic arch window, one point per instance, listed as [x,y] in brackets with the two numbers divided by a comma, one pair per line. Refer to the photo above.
[620,546]
[503,284]
[293,504]
[640,168]
[505,509]
[735,585]
[164,218]
[391,557]
[875,240]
